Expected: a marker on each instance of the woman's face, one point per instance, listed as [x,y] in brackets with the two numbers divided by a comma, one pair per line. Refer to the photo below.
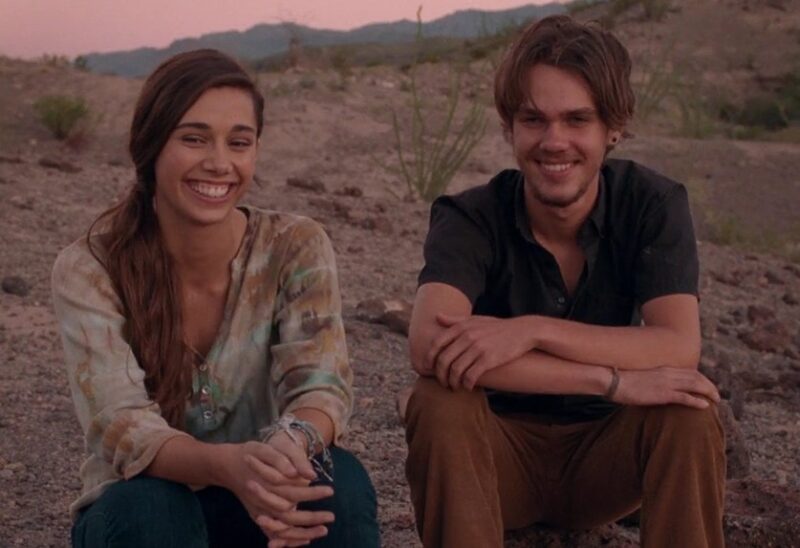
[208,161]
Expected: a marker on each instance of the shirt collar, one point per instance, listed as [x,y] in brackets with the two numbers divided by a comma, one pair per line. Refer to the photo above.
[597,217]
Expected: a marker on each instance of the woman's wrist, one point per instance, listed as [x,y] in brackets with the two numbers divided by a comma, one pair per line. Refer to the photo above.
[221,459]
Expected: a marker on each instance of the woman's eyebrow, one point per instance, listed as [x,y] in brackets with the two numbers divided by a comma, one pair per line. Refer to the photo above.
[204,126]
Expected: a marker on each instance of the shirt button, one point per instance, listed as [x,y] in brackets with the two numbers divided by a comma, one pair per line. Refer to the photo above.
[208,414]
[205,390]
[202,367]
[561,300]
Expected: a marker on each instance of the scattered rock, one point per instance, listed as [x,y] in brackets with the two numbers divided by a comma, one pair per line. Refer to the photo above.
[790,299]
[334,207]
[397,320]
[393,313]
[352,191]
[377,223]
[760,513]
[733,278]
[21,202]
[736,450]
[60,165]
[16,286]
[11,160]
[770,336]
[792,269]
[791,353]
[729,385]
[773,278]
[310,184]
[758,314]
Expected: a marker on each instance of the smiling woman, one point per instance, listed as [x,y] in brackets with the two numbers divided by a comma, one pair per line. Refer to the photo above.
[204,342]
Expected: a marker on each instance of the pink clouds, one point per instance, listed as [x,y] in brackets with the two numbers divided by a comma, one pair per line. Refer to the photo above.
[29,28]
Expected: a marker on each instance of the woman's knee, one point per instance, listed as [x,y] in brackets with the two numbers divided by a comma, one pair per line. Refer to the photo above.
[354,504]
[142,511]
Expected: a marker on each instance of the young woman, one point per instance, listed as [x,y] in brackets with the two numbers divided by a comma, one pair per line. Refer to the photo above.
[204,342]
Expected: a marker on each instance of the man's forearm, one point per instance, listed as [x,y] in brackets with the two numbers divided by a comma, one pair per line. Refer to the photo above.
[633,347]
[541,373]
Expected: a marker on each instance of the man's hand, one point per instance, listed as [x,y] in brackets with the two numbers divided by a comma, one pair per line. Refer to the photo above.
[468,346]
[270,479]
[665,385]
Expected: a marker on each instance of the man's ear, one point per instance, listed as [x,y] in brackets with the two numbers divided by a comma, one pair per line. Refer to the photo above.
[614,137]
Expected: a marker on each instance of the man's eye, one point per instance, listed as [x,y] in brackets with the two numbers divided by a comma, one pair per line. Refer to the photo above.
[578,120]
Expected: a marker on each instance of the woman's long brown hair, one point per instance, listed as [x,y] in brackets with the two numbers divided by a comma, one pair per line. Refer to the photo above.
[131,247]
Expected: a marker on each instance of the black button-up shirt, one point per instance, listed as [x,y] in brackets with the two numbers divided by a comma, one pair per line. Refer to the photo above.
[638,241]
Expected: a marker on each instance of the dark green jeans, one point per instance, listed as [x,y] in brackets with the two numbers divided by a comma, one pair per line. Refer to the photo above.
[147,512]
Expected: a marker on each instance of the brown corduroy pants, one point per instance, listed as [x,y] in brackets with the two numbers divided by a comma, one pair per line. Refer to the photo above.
[474,474]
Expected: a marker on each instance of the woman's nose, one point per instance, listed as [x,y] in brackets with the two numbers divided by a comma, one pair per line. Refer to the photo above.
[217,160]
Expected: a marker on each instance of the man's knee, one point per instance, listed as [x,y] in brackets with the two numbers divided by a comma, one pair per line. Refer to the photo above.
[687,428]
[433,407]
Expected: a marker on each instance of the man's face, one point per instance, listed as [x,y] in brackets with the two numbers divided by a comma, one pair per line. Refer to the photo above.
[558,138]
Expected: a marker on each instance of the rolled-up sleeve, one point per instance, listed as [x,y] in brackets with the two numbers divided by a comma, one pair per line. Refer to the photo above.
[122,424]
[310,368]
[666,261]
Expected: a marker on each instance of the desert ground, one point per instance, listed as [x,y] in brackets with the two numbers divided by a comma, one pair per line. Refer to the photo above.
[328,139]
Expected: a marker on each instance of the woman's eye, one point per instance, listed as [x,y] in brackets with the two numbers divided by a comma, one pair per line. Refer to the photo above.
[192,139]
[241,143]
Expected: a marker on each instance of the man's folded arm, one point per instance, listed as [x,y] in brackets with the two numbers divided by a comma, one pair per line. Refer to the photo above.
[669,337]
[536,372]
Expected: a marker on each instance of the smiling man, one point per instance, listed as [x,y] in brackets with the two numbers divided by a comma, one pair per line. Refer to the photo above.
[556,327]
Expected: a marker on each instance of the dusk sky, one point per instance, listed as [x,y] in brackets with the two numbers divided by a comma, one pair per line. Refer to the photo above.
[30,28]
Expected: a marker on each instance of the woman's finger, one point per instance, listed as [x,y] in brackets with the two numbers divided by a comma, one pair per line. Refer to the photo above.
[302,494]
[306,518]
[276,459]
[269,500]
[303,533]
[270,525]
[268,473]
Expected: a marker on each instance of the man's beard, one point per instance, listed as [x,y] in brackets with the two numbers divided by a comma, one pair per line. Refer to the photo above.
[559,202]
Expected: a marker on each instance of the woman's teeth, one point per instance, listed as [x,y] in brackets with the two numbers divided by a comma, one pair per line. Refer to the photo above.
[211,191]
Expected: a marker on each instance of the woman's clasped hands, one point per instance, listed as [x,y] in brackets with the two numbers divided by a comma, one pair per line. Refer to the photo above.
[270,479]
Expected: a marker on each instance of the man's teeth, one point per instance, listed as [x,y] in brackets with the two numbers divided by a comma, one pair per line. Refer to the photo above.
[212,191]
[556,167]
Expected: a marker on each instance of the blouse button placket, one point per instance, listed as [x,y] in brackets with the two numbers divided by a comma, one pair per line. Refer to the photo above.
[206,397]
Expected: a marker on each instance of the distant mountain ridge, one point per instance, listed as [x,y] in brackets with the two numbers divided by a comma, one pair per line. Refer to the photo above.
[264,40]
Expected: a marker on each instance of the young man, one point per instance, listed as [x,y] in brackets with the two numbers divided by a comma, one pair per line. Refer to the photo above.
[556,326]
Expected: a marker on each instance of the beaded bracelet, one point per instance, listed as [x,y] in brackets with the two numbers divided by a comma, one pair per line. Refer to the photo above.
[318,454]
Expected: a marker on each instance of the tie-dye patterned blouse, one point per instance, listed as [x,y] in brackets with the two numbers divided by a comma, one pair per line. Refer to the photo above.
[280,347]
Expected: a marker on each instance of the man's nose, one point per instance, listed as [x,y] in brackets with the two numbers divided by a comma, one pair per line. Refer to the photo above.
[554,138]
